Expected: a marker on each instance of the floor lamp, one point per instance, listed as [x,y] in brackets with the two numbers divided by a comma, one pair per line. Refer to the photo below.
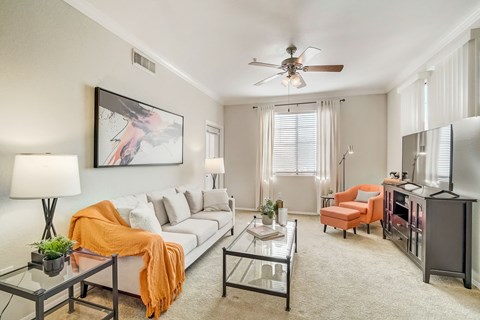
[47,177]
[214,167]
[349,151]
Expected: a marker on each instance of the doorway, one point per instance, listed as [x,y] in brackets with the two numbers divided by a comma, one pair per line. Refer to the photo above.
[213,149]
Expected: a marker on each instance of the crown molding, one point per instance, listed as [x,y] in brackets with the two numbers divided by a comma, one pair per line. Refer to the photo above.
[435,49]
[93,13]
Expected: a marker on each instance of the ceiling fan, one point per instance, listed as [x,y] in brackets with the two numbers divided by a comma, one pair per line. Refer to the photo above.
[292,65]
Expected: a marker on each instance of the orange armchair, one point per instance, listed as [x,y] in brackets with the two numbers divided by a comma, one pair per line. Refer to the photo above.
[369,212]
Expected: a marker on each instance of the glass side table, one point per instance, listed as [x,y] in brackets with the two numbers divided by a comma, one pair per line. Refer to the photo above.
[30,282]
[263,266]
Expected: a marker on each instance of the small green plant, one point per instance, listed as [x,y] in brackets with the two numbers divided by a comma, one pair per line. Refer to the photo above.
[55,247]
[268,208]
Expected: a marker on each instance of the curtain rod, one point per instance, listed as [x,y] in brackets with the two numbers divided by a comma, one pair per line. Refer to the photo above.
[294,104]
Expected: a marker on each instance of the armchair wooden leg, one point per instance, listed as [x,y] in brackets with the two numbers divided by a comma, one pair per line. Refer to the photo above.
[344,234]
[381,223]
[354,230]
[324,228]
[368,228]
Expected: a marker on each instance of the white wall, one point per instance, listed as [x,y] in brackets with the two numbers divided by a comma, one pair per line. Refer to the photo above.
[51,58]
[394,133]
[466,141]
[363,121]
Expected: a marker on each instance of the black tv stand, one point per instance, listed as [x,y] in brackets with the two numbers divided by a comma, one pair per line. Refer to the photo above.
[434,232]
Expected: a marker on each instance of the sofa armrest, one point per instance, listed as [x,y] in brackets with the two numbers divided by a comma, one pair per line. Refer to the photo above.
[231,204]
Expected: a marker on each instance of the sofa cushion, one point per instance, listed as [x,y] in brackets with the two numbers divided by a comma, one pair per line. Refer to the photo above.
[221,217]
[126,204]
[187,241]
[360,206]
[215,200]
[156,197]
[363,196]
[177,208]
[143,217]
[194,199]
[203,229]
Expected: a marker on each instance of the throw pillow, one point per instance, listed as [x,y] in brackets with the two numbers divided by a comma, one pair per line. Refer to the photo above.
[215,200]
[156,198]
[363,196]
[194,199]
[177,208]
[143,217]
[126,204]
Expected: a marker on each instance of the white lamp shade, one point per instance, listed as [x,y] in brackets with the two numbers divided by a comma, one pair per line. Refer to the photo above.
[41,176]
[214,165]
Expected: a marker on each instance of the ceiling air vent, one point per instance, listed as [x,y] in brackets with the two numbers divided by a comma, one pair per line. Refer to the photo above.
[142,61]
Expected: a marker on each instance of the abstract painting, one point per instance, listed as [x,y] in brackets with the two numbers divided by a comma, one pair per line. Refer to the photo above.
[132,133]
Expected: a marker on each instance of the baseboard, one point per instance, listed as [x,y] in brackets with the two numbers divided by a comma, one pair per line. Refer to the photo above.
[476,283]
[289,212]
[245,209]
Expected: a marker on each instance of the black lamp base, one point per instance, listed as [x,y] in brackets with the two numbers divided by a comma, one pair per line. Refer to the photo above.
[48,211]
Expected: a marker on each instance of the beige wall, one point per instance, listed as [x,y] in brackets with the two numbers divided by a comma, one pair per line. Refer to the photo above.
[363,121]
[51,58]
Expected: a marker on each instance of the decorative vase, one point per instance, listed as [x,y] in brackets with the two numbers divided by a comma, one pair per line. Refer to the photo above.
[53,267]
[282,216]
[266,220]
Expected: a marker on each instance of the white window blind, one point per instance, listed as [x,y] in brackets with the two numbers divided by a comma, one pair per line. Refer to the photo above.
[443,165]
[295,143]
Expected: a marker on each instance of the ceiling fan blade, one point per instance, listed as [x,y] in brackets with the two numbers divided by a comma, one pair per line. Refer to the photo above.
[325,68]
[263,64]
[259,83]
[308,54]
[302,82]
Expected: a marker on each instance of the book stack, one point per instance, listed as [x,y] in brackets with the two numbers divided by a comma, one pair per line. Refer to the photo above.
[265,233]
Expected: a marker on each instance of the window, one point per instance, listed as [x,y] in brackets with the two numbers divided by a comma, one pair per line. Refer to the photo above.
[295,143]
[443,160]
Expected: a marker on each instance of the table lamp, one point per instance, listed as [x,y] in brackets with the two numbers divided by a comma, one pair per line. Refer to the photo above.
[47,177]
[214,166]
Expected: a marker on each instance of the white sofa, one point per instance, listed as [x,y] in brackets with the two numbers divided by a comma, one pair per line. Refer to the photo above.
[195,234]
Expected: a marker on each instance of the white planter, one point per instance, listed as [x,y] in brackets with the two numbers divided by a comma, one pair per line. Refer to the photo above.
[266,220]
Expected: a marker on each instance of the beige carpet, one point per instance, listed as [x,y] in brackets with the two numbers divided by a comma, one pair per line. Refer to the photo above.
[362,277]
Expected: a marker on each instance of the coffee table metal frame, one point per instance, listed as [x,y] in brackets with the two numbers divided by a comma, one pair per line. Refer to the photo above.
[288,260]
[39,296]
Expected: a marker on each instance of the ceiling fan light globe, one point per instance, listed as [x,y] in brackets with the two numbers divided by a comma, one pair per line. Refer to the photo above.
[295,80]
[286,81]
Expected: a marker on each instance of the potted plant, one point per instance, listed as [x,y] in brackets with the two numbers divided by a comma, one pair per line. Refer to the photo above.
[54,252]
[268,212]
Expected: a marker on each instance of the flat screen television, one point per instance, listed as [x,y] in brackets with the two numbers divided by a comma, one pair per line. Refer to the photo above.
[427,157]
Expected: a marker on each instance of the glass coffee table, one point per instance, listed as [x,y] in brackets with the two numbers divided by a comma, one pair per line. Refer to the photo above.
[263,266]
[30,282]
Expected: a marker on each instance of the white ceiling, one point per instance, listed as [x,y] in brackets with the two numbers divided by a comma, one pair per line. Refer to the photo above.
[211,42]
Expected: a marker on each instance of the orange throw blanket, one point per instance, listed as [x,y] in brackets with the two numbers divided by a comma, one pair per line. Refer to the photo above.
[100,229]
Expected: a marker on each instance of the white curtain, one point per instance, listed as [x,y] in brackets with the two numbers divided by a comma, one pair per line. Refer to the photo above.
[263,184]
[327,146]
[412,102]
[448,90]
